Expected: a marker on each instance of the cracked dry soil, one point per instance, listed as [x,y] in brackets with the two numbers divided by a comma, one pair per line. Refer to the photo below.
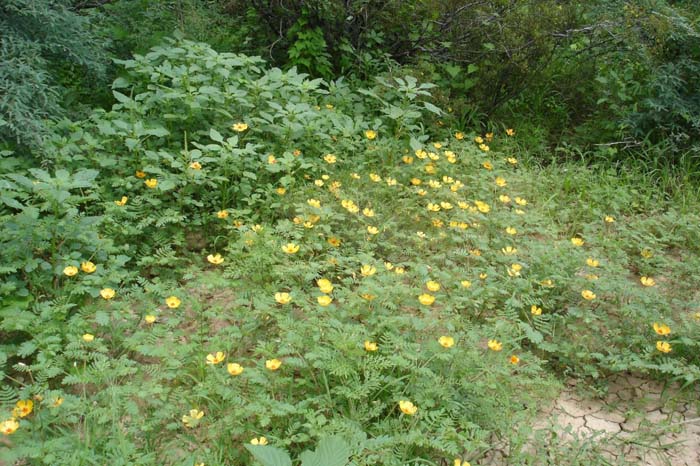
[639,421]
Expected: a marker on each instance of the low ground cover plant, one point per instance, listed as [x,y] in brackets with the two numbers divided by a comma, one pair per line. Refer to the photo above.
[240,264]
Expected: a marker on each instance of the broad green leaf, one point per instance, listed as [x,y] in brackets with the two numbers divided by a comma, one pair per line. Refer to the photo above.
[331,451]
[269,456]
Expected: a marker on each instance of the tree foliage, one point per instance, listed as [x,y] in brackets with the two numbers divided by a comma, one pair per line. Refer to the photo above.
[44,44]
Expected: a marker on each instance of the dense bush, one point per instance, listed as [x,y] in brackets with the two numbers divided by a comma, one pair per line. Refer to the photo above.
[44,45]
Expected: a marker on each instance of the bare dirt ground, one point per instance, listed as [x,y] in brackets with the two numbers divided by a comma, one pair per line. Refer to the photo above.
[639,422]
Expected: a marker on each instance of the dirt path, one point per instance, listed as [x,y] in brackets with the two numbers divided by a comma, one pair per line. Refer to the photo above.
[638,422]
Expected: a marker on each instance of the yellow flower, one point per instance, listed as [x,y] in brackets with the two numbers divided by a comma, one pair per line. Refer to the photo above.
[663,346]
[407,159]
[504,199]
[510,132]
[234,368]
[446,205]
[290,248]
[140,174]
[215,359]
[371,346]
[271,159]
[215,259]
[482,207]
[257,228]
[514,360]
[350,206]
[547,282]
[446,342]
[122,201]
[9,426]
[479,140]
[173,302]
[501,182]
[281,191]
[107,293]
[483,276]
[222,214]
[330,158]
[283,298]
[459,135]
[421,154]
[324,285]
[646,253]
[426,299]
[259,441]
[512,160]
[56,401]
[647,281]
[465,283]
[535,311]
[495,345]
[88,337]
[484,147]
[70,271]
[367,296]
[459,462]
[592,262]
[372,230]
[150,318]
[388,265]
[509,251]
[475,252]
[273,364]
[421,192]
[314,203]
[433,207]
[420,234]
[324,300]
[333,241]
[487,165]
[520,201]
[432,285]
[514,270]
[370,134]
[88,267]
[609,219]
[577,242]
[367,212]
[511,231]
[192,419]
[195,165]
[368,270]
[407,407]
[23,408]
[489,137]
[661,329]
[588,295]
[151,183]
[355,176]
[239,127]
[399,270]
